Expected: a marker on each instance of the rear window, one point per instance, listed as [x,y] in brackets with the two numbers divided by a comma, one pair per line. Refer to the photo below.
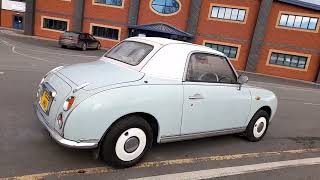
[130,52]
[70,34]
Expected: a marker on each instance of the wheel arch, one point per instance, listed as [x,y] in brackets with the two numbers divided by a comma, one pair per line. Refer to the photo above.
[267,109]
[151,120]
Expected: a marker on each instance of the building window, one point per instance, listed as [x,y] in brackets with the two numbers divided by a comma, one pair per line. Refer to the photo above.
[105,32]
[228,13]
[109,2]
[288,60]
[230,51]
[166,7]
[298,22]
[54,24]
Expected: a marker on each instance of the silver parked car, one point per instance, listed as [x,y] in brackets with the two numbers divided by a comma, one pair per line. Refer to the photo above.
[147,90]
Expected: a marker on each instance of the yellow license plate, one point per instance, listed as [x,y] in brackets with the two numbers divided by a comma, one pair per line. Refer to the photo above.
[45,101]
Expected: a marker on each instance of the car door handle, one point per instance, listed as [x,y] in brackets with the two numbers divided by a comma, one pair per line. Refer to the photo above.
[196,96]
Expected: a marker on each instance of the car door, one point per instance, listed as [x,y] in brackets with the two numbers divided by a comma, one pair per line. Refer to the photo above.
[213,100]
[88,40]
[94,42]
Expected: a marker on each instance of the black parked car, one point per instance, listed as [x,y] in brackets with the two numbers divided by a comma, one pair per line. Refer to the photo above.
[80,40]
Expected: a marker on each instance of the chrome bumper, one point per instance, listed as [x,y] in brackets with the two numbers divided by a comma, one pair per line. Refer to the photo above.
[56,136]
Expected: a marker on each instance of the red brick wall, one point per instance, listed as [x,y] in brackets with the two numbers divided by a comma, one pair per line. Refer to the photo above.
[7,17]
[229,32]
[54,9]
[179,20]
[292,41]
[112,16]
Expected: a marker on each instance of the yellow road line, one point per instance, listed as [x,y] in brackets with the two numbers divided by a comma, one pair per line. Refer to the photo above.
[100,170]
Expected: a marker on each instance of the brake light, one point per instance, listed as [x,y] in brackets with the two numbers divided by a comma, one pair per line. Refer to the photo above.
[68,103]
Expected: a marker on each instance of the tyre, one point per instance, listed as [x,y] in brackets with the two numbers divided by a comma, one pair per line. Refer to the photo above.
[63,46]
[258,126]
[127,142]
[98,46]
[84,46]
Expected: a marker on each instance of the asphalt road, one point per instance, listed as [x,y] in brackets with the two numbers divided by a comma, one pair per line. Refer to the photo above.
[26,150]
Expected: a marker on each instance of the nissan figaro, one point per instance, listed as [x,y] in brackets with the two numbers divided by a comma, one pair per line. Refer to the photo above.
[148,90]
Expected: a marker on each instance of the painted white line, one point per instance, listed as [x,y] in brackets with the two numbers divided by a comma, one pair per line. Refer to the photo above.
[33,57]
[279,86]
[312,104]
[230,171]
[46,51]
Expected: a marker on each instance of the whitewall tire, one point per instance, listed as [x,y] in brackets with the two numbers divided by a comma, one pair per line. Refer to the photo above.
[258,126]
[126,142]
[131,144]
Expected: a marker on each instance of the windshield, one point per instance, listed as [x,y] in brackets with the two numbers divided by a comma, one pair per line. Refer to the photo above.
[130,52]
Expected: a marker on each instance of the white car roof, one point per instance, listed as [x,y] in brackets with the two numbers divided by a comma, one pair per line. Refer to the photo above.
[164,42]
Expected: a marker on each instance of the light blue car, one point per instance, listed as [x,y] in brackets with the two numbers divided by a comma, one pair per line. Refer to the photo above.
[150,90]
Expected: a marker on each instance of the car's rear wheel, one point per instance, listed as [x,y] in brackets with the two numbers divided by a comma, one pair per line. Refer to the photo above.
[63,46]
[84,46]
[127,142]
[258,126]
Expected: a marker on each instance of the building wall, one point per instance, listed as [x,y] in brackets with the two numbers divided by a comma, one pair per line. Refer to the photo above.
[291,41]
[55,9]
[108,16]
[227,32]
[7,17]
[8,9]
[148,16]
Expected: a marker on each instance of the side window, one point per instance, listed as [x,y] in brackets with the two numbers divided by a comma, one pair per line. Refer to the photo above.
[82,36]
[91,37]
[209,68]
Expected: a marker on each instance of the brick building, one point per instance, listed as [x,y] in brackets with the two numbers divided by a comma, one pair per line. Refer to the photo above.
[274,37]
[12,13]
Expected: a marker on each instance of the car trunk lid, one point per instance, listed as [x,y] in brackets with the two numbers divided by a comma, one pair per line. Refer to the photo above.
[99,74]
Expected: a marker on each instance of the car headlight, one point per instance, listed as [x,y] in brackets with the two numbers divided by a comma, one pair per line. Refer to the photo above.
[68,103]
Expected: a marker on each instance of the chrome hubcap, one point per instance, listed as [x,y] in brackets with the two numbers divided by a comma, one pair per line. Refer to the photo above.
[131,144]
[260,127]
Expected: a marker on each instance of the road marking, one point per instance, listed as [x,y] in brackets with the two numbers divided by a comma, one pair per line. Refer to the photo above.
[312,104]
[100,170]
[230,171]
[33,57]
[279,86]
[46,51]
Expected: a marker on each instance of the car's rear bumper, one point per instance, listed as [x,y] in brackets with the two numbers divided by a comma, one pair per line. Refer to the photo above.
[57,137]
[69,44]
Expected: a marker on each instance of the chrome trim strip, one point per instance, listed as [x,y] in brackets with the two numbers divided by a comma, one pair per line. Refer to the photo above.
[81,87]
[182,137]
[90,144]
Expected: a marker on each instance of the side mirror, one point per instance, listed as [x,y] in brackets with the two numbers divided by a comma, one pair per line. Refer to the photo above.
[242,79]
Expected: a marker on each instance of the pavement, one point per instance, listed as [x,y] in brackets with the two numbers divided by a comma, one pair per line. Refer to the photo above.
[292,144]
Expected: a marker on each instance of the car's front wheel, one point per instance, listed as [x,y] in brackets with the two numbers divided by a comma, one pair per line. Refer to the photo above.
[258,126]
[127,142]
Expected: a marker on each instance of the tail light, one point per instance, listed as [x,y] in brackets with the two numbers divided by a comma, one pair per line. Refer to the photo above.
[68,103]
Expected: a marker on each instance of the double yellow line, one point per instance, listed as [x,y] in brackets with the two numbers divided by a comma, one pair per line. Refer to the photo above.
[100,170]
